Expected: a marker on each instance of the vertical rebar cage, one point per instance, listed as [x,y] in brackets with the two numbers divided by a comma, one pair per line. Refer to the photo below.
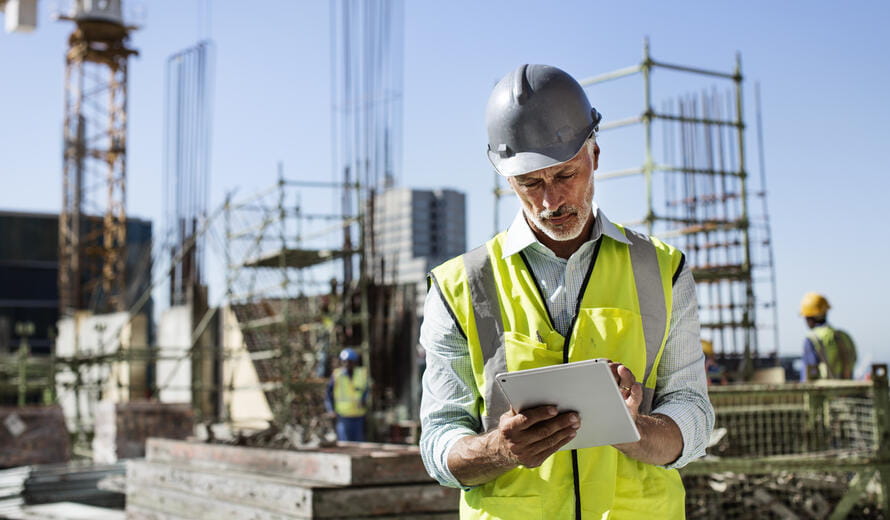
[188,121]
[696,195]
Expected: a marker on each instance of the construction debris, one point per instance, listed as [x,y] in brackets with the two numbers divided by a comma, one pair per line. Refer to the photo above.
[122,428]
[33,435]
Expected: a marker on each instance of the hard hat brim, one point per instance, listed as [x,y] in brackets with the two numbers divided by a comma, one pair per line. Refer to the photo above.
[526,162]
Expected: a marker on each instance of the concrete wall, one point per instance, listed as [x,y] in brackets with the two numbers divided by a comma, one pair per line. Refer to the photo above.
[244,402]
[86,336]
[174,366]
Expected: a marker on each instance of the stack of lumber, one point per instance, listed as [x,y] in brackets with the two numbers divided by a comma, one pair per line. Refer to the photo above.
[180,480]
[32,435]
[122,428]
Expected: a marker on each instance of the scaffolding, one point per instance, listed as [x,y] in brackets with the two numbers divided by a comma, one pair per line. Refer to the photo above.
[697,196]
[283,285]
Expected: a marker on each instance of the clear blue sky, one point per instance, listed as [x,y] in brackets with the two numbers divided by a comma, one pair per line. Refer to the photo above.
[823,67]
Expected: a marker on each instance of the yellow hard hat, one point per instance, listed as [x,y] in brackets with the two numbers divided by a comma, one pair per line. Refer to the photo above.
[707,347]
[813,304]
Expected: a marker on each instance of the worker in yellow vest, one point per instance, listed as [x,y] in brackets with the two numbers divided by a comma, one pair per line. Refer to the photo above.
[561,284]
[347,395]
[828,353]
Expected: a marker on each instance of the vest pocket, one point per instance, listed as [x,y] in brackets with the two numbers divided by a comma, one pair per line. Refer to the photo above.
[613,333]
[523,352]
[507,508]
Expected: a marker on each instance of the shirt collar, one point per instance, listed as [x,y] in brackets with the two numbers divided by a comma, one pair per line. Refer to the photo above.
[520,235]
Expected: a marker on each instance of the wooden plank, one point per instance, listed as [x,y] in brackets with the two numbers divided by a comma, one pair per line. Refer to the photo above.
[345,464]
[401,501]
[249,490]
[186,505]
[71,511]
[418,516]
[302,499]
[135,512]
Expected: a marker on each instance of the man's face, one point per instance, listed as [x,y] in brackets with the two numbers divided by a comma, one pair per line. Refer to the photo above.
[557,201]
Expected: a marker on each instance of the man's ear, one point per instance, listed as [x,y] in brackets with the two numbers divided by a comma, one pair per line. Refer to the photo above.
[596,156]
[511,182]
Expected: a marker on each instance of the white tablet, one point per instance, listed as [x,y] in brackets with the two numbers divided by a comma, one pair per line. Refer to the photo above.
[586,387]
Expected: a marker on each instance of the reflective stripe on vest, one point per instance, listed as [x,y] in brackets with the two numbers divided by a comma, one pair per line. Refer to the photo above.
[487,312]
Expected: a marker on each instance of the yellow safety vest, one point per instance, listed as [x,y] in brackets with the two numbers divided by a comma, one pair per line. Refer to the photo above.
[348,392]
[836,351]
[493,297]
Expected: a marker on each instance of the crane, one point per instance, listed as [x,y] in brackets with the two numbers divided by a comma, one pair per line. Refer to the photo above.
[93,220]
[21,15]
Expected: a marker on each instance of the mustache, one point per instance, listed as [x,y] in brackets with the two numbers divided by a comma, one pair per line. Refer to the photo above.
[558,212]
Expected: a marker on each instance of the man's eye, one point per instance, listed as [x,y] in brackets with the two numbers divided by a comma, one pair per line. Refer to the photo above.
[531,184]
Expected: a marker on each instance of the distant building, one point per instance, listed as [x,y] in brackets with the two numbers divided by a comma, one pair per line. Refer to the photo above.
[29,274]
[415,230]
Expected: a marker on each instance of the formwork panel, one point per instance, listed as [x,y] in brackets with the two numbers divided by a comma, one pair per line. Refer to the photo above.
[344,464]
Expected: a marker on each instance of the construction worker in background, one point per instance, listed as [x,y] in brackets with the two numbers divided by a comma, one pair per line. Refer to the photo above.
[716,373]
[347,395]
[828,353]
[562,284]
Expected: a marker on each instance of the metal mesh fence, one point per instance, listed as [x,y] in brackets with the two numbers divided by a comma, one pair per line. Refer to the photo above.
[793,423]
[807,451]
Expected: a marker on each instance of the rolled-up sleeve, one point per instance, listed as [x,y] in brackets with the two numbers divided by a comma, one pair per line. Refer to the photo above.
[449,407]
[681,392]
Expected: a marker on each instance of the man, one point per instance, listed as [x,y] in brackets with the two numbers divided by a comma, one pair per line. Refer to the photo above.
[347,394]
[562,284]
[828,353]
[716,374]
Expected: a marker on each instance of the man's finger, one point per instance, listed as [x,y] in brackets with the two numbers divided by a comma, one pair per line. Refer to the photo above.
[550,427]
[613,367]
[528,418]
[552,443]
[626,378]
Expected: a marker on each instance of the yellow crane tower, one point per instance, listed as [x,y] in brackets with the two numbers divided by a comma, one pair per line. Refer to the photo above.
[93,220]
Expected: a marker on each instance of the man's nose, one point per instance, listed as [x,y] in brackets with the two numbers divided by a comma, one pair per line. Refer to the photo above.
[554,197]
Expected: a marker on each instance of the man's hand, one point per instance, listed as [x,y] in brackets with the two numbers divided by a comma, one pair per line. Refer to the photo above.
[522,438]
[661,441]
[630,389]
[528,438]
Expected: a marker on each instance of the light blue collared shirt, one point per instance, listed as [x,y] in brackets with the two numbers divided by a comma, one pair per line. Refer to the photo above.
[448,408]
